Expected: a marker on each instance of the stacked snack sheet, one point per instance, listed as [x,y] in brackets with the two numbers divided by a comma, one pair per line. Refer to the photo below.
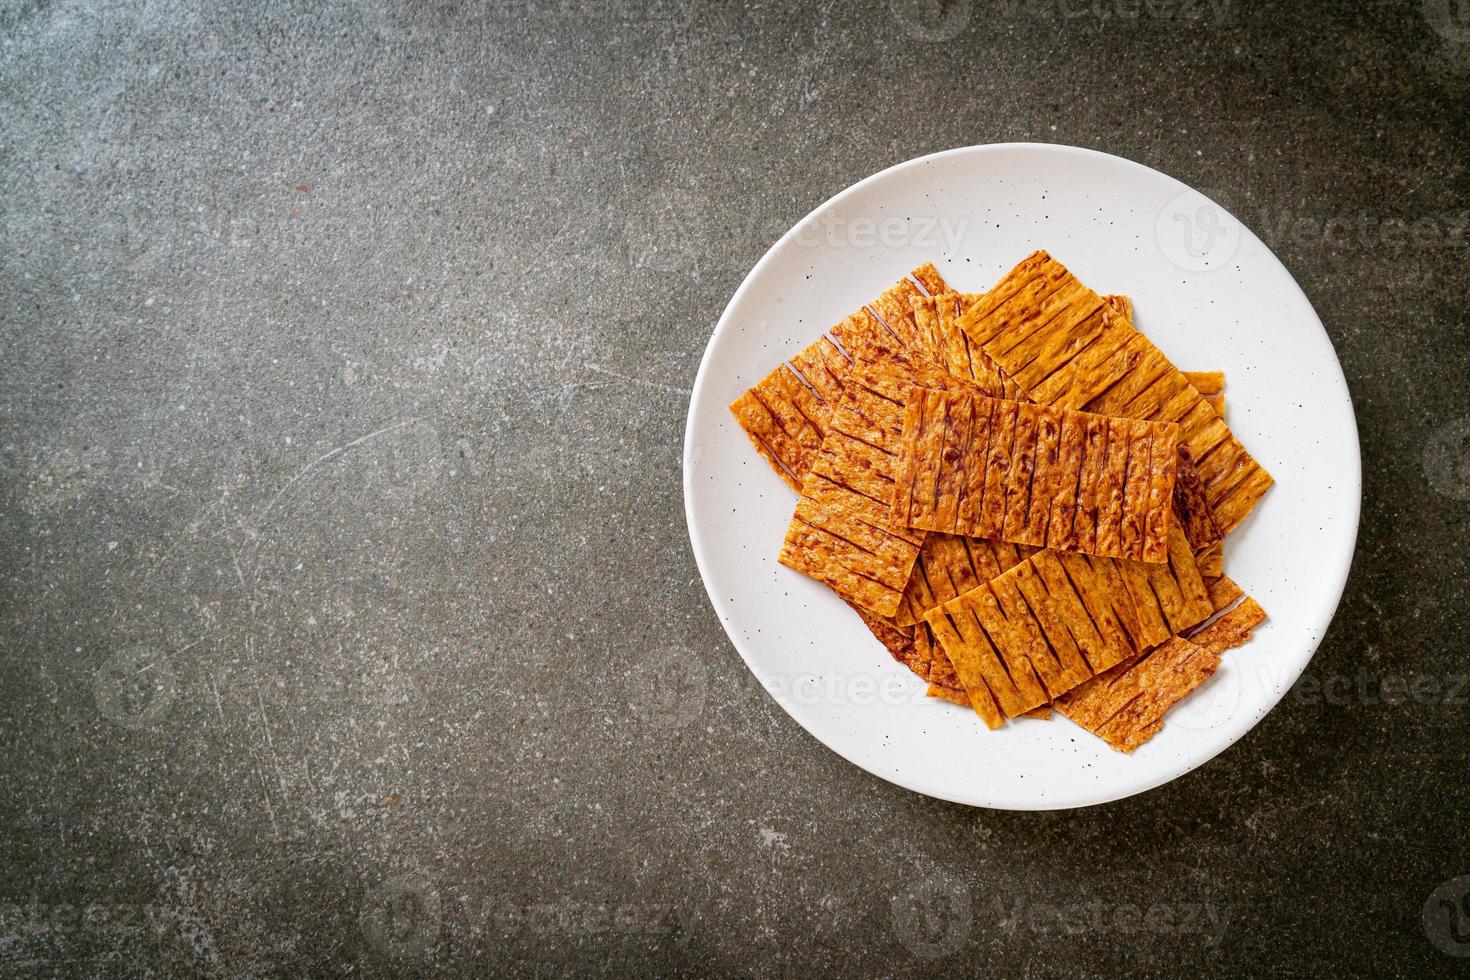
[1024,500]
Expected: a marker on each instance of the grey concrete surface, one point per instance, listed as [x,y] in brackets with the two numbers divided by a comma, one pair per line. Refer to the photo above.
[345,359]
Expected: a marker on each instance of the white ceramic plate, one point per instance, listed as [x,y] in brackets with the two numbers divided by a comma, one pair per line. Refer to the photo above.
[1205,289]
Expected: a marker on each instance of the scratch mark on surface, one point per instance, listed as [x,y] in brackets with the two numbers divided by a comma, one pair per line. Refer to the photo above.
[328,455]
[265,791]
[306,767]
[270,743]
[637,381]
[224,523]
[264,720]
[567,391]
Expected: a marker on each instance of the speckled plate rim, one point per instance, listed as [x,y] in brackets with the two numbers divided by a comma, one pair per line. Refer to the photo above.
[1334,563]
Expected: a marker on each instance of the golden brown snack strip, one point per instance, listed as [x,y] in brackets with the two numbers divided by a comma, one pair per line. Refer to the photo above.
[785,415]
[1110,491]
[1040,629]
[1157,683]
[842,533]
[1205,382]
[1233,504]
[1158,520]
[911,364]
[1020,640]
[1232,628]
[950,437]
[1067,347]
[931,655]
[1223,591]
[1046,465]
[997,466]
[1100,586]
[903,466]
[928,276]
[1034,612]
[930,336]
[1211,561]
[937,319]
[943,674]
[1125,705]
[895,309]
[1169,597]
[1179,673]
[961,697]
[1121,305]
[949,565]
[1016,483]
[1192,507]
[950,694]
[1040,432]
[994,693]
[1060,500]
[780,417]
[957,442]
[1093,704]
[1090,483]
[1135,491]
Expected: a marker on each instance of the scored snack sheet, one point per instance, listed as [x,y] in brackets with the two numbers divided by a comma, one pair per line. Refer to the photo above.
[1172,596]
[949,565]
[1192,505]
[1058,618]
[1033,475]
[1028,624]
[1125,705]
[937,319]
[1070,349]
[1013,656]
[785,415]
[842,533]
[1232,628]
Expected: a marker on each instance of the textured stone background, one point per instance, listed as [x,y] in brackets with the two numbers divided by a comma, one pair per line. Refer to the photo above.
[345,361]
